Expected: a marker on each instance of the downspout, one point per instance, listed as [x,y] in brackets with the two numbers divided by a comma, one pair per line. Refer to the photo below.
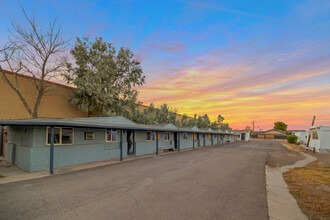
[193,137]
[121,145]
[134,145]
[51,160]
[178,141]
[1,141]
[157,143]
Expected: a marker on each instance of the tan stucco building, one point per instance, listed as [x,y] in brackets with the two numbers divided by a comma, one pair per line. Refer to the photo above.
[54,104]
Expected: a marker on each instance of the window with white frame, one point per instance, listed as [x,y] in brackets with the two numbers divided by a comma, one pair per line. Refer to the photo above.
[62,136]
[151,136]
[167,136]
[111,135]
[185,136]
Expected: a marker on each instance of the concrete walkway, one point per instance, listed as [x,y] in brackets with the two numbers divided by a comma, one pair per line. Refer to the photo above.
[8,170]
[281,204]
[11,173]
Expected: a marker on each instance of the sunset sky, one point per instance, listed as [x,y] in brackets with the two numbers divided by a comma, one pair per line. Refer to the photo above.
[261,60]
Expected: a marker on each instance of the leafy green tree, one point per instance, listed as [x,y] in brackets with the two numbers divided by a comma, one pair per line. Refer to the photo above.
[172,117]
[225,127]
[193,121]
[163,114]
[215,125]
[203,121]
[166,114]
[104,78]
[220,119]
[185,120]
[280,126]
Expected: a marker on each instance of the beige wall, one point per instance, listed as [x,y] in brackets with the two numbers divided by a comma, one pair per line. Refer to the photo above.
[55,103]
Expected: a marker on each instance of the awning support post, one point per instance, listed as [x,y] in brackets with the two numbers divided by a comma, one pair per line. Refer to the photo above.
[121,145]
[157,143]
[51,159]
[178,141]
[1,140]
[193,137]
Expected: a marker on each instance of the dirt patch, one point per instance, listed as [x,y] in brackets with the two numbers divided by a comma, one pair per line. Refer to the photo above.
[324,158]
[283,157]
[310,185]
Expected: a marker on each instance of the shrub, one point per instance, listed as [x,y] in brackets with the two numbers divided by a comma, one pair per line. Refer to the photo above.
[292,139]
[300,143]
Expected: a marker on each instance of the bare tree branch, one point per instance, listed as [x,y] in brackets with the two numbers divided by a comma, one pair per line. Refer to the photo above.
[35,51]
[17,91]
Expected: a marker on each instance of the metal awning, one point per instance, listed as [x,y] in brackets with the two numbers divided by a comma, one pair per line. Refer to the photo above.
[88,124]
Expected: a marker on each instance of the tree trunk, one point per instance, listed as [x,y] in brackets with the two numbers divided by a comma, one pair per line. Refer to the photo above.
[41,93]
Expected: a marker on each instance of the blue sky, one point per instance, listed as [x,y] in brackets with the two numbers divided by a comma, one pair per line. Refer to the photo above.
[204,53]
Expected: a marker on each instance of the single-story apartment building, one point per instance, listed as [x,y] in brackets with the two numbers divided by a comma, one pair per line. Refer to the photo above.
[42,143]
[320,138]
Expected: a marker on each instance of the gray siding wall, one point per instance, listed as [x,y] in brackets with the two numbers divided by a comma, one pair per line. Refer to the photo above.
[149,147]
[18,147]
[32,152]
[27,148]
[207,140]
[186,143]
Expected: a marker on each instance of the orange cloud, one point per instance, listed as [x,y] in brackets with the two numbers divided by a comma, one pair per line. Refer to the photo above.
[287,98]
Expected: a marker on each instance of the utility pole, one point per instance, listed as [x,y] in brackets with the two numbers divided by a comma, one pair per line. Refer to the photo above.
[309,136]
[253,125]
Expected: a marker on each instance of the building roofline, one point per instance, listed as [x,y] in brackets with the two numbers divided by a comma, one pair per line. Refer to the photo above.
[85,124]
[30,77]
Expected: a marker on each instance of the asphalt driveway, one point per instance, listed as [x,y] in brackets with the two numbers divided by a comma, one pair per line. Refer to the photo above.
[224,182]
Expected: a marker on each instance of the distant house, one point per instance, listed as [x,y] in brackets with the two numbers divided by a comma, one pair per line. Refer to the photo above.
[272,134]
[243,135]
[274,131]
[320,138]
